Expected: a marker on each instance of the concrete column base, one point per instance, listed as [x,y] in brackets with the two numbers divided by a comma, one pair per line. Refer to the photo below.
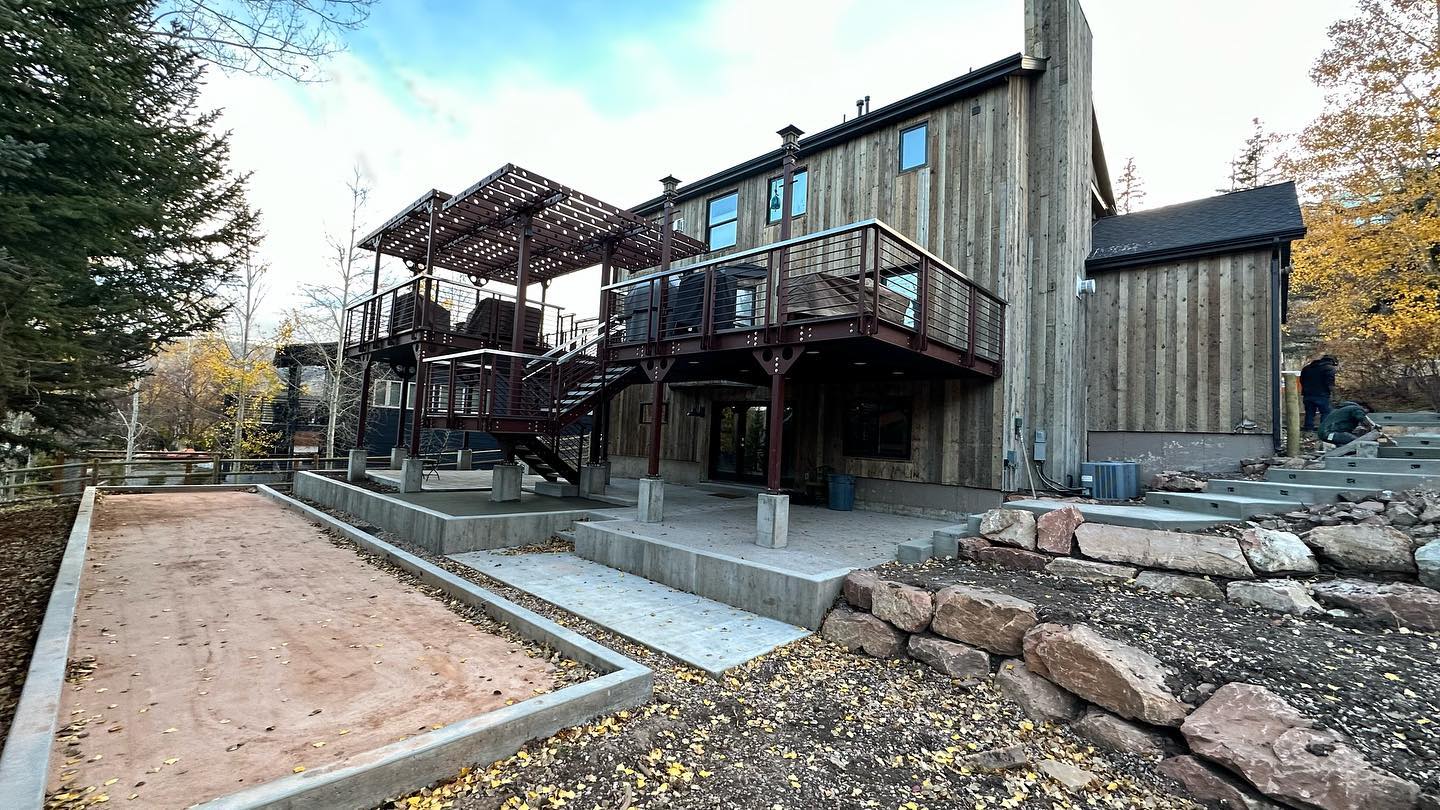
[772,521]
[652,500]
[397,457]
[606,465]
[465,460]
[592,479]
[355,467]
[505,483]
[412,473]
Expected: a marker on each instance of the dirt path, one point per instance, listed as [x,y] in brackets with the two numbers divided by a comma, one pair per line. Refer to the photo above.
[32,541]
[222,642]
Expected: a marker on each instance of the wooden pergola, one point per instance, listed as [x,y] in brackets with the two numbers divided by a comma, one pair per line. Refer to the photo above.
[518,228]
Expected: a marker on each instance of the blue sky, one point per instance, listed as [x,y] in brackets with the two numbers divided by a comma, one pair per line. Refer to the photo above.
[609,97]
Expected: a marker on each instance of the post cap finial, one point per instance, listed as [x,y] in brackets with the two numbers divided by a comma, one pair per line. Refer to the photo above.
[790,135]
[670,182]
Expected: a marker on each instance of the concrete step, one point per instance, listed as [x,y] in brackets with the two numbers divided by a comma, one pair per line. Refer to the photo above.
[698,631]
[1367,481]
[1406,466]
[1135,515]
[1417,440]
[1235,507]
[1285,491]
[1409,452]
[1416,418]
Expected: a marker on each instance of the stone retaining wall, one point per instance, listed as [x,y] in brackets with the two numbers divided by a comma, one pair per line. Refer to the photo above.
[1252,566]
[1242,741]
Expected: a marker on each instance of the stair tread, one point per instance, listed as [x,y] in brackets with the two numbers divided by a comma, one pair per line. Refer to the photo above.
[1126,514]
[1223,497]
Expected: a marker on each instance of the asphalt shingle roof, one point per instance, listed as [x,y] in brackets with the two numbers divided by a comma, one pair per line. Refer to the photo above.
[1220,224]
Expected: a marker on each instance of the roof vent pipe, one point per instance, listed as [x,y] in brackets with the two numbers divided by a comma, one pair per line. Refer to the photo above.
[859,107]
[867,105]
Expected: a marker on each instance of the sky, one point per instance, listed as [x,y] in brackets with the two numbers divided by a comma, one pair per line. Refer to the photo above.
[609,97]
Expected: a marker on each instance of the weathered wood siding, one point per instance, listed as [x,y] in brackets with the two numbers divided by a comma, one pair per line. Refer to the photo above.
[1183,346]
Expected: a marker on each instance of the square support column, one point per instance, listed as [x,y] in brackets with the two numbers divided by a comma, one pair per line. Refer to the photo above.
[652,500]
[397,456]
[355,466]
[505,483]
[772,521]
[412,473]
[465,460]
[592,479]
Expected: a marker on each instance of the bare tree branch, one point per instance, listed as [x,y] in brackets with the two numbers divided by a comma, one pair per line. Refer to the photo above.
[263,37]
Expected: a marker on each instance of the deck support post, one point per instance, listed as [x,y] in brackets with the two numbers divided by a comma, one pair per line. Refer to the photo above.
[789,144]
[417,410]
[600,415]
[412,474]
[465,458]
[521,316]
[772,520]
[505,482]
[652,500]
[355,465]
[592,480]
[362,421]
[397,456]
[657,423]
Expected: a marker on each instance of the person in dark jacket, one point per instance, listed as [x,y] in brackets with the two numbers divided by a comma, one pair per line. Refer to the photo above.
[1343,425]
[1317,378]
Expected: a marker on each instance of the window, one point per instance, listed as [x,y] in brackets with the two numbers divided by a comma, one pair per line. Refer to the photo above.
[646,416]
[387,394]
[721,224]
[799,185]
[878,427]
[912,146]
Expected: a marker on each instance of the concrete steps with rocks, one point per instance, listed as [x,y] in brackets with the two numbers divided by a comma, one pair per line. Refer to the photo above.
[1234,507]
[1417,440]
[1407,419]
[1363,481]
[1287,491]
[1385,465]
[1134,515]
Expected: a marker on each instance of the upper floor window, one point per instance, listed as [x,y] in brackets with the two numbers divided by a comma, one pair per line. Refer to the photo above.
[721,221]
[913,146]
[799,186]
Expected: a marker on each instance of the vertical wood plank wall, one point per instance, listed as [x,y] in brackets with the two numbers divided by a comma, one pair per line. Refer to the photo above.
[1182,346]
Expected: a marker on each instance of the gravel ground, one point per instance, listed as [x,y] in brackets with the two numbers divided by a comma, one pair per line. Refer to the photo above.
[806,726]
[32,541]
[1378,686]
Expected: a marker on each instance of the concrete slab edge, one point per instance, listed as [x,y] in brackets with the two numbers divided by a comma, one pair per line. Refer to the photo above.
[577,514]
[412,764]
[121,489]
[25,760]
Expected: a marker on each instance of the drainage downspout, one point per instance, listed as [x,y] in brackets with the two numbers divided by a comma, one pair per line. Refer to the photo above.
[1275,345]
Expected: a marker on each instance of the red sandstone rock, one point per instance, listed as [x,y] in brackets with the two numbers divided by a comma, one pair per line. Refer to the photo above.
[858,587]
[1121,678]
[1013,558]
[907,607]
[861,631]
[1055,531]
[1010,527]
[983,618]
[952,658]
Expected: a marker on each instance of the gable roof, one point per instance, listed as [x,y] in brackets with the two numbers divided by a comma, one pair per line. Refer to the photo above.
[1235,221]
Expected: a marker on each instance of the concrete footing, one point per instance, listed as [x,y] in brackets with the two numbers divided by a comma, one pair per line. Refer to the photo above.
[772,521]
[397,457]
[355,466]
[593,478]
[505,483]
[557,489]
[465,460]
[412,474]
[652,500]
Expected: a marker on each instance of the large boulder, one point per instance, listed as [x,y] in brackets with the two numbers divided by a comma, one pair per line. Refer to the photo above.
[1121,678]
[1089,570]
[854,630]
[1427,560]
[1018,558]
[983,618]
[858,588]
[1009,527]
[1394,603]
[1364,547]
[1178,551]
[1040,699]
[1178,585]
[1108,731]
[1212,786]
[1279,595]
[1275,552]
[949,657]
[1055,530]
[907,607]
[1255,733]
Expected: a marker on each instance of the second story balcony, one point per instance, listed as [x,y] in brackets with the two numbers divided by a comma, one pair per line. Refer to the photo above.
[861,300]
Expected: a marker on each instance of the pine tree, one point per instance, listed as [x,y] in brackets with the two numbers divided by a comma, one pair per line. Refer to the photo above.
[118,213]
[1255,165]
[1130,189]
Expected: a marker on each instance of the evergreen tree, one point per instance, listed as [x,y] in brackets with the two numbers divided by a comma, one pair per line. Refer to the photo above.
[1255,165]
[118,214]
[1130,189]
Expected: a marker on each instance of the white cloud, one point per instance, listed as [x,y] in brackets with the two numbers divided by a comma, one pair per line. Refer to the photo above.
[1175,86]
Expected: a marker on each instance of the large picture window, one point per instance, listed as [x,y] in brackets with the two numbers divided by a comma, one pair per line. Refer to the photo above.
[799,184]
[720,227]
[877,427]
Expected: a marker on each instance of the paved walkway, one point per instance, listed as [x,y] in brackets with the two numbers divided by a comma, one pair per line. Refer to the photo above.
[701,632]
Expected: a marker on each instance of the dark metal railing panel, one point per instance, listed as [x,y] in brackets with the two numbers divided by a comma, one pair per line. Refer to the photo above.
[865,271]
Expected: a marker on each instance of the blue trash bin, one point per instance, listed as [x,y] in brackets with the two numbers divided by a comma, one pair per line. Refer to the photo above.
[842,492]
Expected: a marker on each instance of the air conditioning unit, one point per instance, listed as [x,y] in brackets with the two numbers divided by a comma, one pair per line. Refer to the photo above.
[1110,480]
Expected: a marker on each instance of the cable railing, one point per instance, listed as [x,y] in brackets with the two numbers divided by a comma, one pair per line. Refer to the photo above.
[445,307]
[865,271]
